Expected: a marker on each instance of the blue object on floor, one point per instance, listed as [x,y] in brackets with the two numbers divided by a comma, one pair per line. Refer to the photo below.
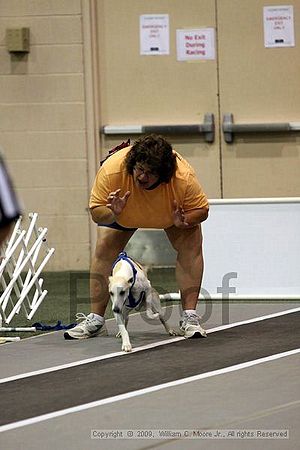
[58,326]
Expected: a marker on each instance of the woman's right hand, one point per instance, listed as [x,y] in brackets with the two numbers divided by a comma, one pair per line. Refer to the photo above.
[116,203]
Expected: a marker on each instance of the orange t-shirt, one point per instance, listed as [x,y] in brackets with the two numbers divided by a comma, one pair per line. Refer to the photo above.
[147,208]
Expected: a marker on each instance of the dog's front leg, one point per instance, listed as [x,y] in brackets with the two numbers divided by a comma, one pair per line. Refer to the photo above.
[169,330]
[126,345]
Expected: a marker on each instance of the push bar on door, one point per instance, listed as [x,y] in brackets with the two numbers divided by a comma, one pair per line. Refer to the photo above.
[230,128]
[207,128]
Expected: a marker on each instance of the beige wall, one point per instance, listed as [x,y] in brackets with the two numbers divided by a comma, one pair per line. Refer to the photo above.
[44,124]
[51,101]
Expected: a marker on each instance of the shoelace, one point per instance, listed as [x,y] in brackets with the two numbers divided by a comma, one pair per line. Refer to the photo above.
[193,319]
[82,316]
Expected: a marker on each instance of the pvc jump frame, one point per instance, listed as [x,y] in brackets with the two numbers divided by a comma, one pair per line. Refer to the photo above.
[27,257]
[244,201]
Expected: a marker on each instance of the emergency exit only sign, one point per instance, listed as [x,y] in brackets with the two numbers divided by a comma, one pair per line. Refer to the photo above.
[195,44]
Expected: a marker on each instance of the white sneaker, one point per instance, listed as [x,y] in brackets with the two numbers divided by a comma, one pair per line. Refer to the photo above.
[89,326]
[190,326]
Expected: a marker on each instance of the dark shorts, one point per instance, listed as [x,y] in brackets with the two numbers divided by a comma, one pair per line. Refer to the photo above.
[116,226]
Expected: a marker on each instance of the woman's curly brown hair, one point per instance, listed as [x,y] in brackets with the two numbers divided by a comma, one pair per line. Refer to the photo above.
[154,151]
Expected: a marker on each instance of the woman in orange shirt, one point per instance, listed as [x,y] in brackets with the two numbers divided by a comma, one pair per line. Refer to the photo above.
[147,185]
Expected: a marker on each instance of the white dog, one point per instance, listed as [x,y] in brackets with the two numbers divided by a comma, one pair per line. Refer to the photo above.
[129,288]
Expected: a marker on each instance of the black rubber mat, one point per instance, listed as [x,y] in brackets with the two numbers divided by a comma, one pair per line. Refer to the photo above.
[41,394]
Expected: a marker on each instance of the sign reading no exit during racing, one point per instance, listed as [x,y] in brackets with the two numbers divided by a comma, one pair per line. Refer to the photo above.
[195,44]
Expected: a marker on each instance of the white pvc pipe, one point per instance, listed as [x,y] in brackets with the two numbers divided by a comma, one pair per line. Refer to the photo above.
[37,292]
[295,126]
[248,201]
[9,339]
[27,237]
[6,294]
[176,296]
[10,252]
[13,235]
[37,304]
[17,329]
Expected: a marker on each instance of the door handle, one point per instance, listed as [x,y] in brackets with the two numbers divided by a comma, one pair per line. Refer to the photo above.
[230,128]
[207,128]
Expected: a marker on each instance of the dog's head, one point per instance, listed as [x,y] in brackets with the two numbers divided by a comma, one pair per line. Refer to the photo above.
[119,291]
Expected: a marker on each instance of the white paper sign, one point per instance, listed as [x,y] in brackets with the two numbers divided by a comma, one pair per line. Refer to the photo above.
[279,26]
[154,34]
[195,44]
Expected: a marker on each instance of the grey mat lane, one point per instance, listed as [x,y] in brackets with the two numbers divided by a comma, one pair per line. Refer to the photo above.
[257,397]
[51,349]
[94,381]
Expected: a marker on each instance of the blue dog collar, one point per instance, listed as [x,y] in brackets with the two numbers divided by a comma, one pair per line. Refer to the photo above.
[123,255]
